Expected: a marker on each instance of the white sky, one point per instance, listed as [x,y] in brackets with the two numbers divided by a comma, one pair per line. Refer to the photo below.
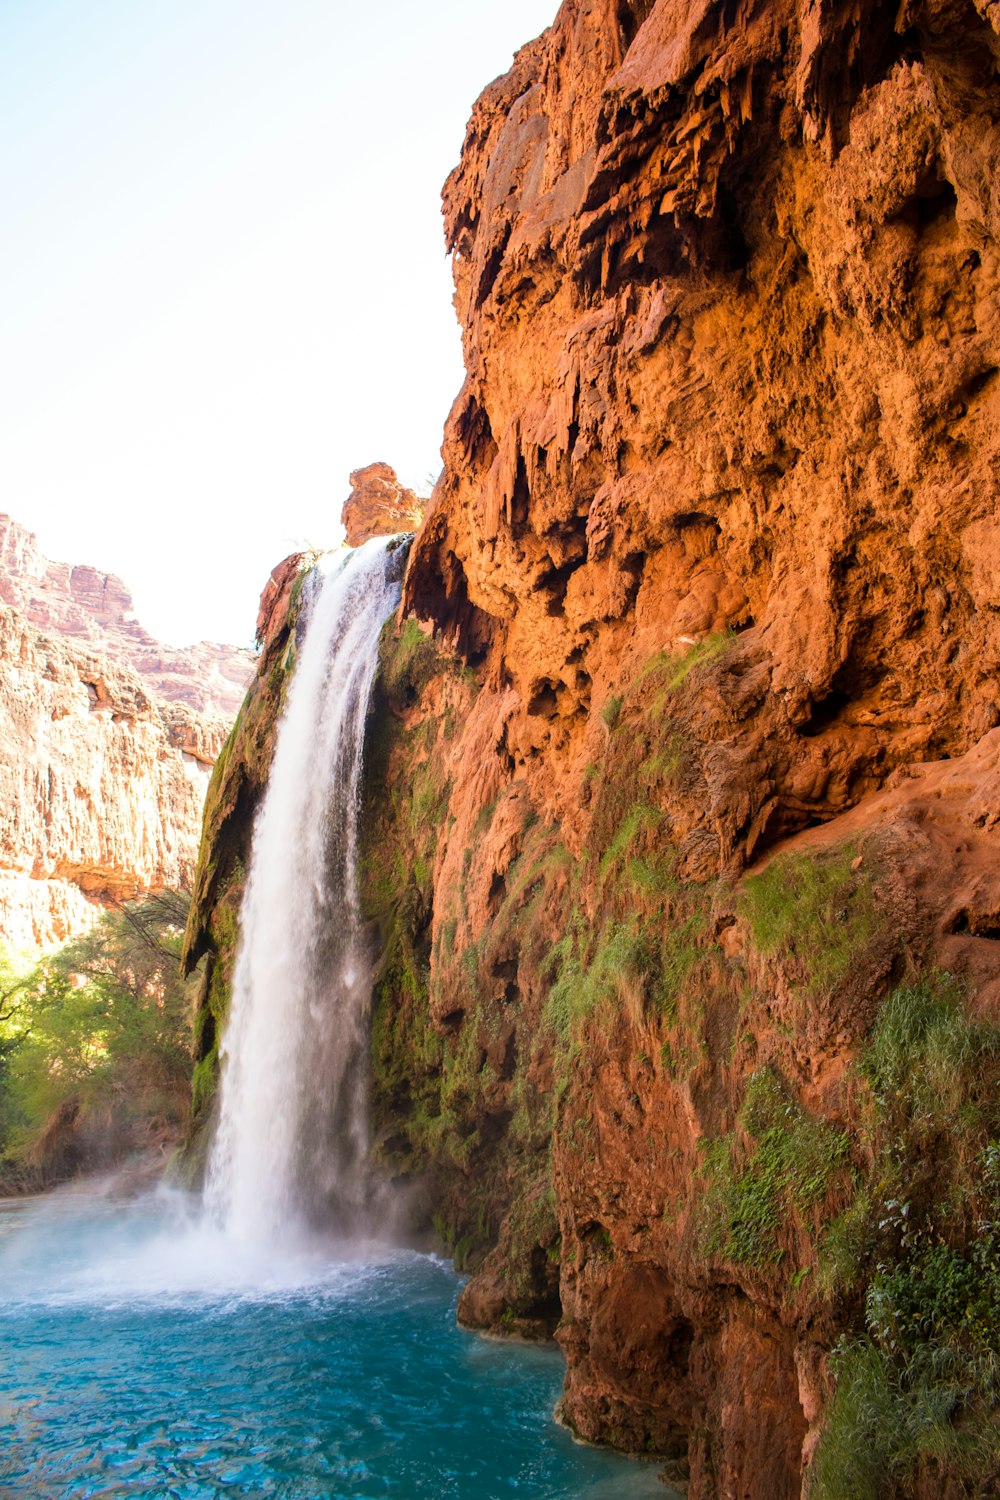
[222,274]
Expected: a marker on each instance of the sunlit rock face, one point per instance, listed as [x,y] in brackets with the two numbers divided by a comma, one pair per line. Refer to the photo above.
[379,505]
[728,282]
[107,740]
[712,573]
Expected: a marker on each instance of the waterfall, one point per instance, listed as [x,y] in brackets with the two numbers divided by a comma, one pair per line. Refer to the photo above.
[291,1148]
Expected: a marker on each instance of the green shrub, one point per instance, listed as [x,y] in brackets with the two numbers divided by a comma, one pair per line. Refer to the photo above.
[103,1025]
[928,1064]
[817,908]
[919,1387]
[790,1162]
[611,712]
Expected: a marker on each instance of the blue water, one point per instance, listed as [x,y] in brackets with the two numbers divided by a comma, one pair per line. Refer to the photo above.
[143,1354]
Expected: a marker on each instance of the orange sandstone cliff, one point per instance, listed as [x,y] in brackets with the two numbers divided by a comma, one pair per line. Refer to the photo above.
[684,772]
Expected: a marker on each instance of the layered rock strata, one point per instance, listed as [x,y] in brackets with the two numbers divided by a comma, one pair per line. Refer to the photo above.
[107,741]
[95,609]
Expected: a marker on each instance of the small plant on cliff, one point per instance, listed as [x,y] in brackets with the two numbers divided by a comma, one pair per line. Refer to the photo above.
[679,667]
[770,1174]
[611,712]
[917,1389]
[638,824]
[818,909]
[407,660]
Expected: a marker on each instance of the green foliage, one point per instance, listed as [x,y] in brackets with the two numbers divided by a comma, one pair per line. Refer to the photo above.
[817,908]
[678,668]
[101,1029]
[611,712]
[847,1246]
[407,791]
[920,1385]
[637,962]
[651,748]
[928,1064]
[407,660]
[639,821]
[672,669]
[224,929]
[784,1166]
[203,1082]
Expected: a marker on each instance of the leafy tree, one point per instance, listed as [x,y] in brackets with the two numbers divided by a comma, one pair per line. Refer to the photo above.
[95,1044]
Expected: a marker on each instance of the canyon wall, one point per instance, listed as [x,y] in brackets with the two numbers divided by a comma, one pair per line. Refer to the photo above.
[107,740]
[79,603]
[684,773]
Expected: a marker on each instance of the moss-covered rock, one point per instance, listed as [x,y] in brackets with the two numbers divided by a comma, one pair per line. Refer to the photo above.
[237,786]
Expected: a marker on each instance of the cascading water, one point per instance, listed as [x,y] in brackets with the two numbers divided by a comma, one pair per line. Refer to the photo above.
[291,1148]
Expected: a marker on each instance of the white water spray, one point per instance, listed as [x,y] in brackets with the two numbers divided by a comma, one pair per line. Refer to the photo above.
[291,1149]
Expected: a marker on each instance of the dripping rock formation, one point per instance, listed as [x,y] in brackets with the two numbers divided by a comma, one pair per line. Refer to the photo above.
[683,776]
[107,740]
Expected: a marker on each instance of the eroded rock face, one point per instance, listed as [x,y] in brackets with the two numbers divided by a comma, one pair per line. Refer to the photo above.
[717,533]
[95,609]
[728,283]
[379,505]
[716,536]
[107,740]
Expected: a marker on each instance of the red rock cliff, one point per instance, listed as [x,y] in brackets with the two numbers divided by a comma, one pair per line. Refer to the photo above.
[728,281]
[689,785]
[95,609]
[717,533]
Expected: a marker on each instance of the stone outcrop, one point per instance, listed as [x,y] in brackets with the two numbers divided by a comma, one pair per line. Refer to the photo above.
[717,532]
[107,741]
[95,609]
[728,284]
[379,505]
[684,754]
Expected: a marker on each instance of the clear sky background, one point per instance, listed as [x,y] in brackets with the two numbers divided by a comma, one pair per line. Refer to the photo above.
[222,274]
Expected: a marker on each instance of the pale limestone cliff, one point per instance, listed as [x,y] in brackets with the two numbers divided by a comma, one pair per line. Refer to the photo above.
[96,609]
[107,741]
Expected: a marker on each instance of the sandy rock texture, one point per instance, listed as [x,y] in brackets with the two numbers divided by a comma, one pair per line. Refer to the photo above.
[107,741]
[379,505]
[728,278]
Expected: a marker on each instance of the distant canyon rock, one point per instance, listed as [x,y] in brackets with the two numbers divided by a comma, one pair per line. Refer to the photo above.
[96,609]
[107,742]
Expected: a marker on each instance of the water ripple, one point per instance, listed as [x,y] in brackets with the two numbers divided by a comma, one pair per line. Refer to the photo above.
[145,1355]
